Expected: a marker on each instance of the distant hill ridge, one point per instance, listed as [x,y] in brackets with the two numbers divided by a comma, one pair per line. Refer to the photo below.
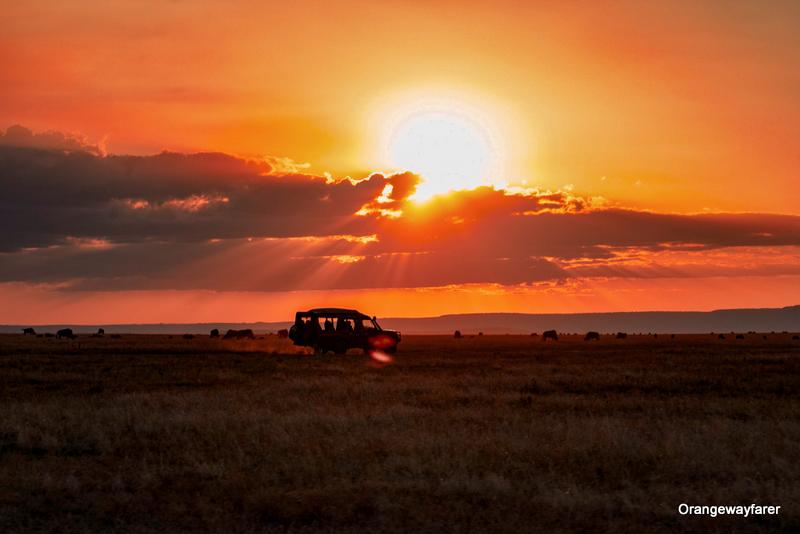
[739,320]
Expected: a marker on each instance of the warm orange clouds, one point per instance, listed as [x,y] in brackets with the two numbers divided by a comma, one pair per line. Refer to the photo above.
[98,233]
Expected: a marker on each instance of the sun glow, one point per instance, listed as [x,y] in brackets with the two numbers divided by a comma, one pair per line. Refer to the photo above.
[450,142]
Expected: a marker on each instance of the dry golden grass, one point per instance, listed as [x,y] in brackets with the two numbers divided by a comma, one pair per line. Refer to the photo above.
[484,434]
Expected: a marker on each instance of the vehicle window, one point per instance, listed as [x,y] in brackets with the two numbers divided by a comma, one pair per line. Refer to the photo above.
[344,325]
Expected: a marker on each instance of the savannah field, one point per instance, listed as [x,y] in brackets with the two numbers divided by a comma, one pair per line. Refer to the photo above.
[480,434]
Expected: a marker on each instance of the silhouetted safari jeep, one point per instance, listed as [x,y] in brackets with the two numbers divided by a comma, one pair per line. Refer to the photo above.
[337,330]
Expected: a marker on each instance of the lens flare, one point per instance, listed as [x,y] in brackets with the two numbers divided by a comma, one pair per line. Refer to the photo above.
[380,357]
[382,342]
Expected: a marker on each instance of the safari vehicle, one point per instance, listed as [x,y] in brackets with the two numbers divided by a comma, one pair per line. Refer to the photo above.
[337,330]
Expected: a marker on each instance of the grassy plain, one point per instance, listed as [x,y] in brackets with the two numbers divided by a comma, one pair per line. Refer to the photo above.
[481,434]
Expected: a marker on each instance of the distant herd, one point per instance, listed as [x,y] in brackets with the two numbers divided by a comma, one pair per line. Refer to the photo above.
[552,335]
[247,333]
[68,333]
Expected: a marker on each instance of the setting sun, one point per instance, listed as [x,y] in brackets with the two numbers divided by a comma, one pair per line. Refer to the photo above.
[447,149]
[453,141]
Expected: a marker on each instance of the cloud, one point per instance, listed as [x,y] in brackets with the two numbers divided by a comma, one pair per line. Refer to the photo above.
[216,221]
[392,200]
[49,195]
[20,136]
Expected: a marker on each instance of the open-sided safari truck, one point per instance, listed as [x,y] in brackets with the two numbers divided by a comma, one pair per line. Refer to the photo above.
[337,330]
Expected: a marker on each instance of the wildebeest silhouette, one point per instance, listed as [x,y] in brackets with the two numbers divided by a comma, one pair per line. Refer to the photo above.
[534,334]
[721,336]
[65,332]
[247,333]
[214,333]
[283,333]
[550,334]
[457,334]
[592,336]
[622,335]
[480,333]
[101,331]
[28,332]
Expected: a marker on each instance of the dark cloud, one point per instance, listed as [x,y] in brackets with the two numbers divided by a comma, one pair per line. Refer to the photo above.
[51,195]
[20,136]
[216,221]
[507,225]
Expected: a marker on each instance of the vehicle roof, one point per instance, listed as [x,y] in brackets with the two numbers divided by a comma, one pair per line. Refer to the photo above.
[336,312]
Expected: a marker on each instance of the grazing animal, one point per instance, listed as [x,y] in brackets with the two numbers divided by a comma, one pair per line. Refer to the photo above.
[28,332]
[622,335]
[739,336]
[214,333]
[65,332]
[592,336]
[247,333]
[188,336]
[550,334]
[457,334]
[721,336]
[101,331]
[283,333]
[534,334]
[480,333]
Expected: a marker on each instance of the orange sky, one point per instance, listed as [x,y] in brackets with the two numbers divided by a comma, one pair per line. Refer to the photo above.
[650,107]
